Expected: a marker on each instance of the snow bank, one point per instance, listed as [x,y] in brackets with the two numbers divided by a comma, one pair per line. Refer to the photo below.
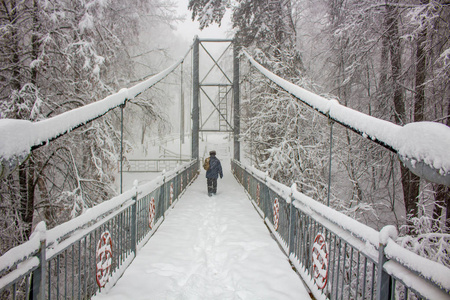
[422,146]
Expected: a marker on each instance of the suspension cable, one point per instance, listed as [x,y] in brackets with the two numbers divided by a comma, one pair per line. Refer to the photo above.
[20,137]
[426,159]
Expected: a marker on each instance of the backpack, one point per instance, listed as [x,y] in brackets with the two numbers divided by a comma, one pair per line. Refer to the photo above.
[206,164]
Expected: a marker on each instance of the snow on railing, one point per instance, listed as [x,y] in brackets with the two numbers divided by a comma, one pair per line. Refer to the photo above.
[166,139]
[337,256]
[422,146]
[19,137]
[88,254]
[152,165]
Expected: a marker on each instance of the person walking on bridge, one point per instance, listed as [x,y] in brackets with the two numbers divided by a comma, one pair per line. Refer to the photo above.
[214,170]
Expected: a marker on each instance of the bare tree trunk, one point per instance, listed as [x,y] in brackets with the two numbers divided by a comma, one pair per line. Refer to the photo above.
[23,190]
[442,198]
[13,18]
[28,218]
[411,189]
[441,192]
[35,45]
[30,186]
[144,128]
[396,62]
[384,58]
[421,72]
[410,181]
[447,199]
[447,216]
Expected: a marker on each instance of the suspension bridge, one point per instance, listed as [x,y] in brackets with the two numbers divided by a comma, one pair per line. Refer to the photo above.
[256,239]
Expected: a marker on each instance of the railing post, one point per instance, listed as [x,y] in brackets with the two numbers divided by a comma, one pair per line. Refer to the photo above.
[134,225]
[121,147]
[195,98]
[292,228]
[162,198]
[266,202]
[384,280]
[39,275]
[329,166]
[236,101]
[181,108]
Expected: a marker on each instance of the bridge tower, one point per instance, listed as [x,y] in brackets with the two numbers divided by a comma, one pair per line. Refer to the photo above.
[215,104]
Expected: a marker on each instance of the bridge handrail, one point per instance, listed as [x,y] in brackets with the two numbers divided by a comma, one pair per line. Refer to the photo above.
[168,138]
[422,146]
[126,216]
[299,215]
[367,234]
[143,165]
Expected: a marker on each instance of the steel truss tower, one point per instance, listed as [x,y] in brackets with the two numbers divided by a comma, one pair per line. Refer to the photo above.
[221,94]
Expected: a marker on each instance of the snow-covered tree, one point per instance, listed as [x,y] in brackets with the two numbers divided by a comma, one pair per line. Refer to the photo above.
[56,56]
[388,59]
[402,53]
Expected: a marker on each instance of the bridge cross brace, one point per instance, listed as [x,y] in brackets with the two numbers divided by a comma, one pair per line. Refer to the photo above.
[198,88]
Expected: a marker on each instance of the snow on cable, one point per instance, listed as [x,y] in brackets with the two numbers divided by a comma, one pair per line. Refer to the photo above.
[18,137]
[422,146]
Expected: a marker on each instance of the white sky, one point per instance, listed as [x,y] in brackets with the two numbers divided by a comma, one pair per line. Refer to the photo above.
[188,29]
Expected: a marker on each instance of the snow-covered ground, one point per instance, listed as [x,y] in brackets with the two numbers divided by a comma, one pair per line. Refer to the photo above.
[210,248]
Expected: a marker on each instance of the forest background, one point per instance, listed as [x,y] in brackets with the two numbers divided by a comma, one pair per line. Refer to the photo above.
[388,59]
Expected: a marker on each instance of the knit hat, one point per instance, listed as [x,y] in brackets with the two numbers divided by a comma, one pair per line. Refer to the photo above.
[212,152]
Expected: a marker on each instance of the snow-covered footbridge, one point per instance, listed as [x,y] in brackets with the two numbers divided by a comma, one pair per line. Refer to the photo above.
[255,239]
[210,248]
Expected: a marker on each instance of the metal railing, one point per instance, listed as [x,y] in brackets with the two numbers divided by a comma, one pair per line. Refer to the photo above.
[152,165]
[336,256]
[88,254]
[166,139]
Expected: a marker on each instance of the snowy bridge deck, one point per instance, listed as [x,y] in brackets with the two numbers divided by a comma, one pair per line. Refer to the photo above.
[210,248]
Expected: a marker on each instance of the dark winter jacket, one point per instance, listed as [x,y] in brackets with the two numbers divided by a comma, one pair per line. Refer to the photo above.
[215,168]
